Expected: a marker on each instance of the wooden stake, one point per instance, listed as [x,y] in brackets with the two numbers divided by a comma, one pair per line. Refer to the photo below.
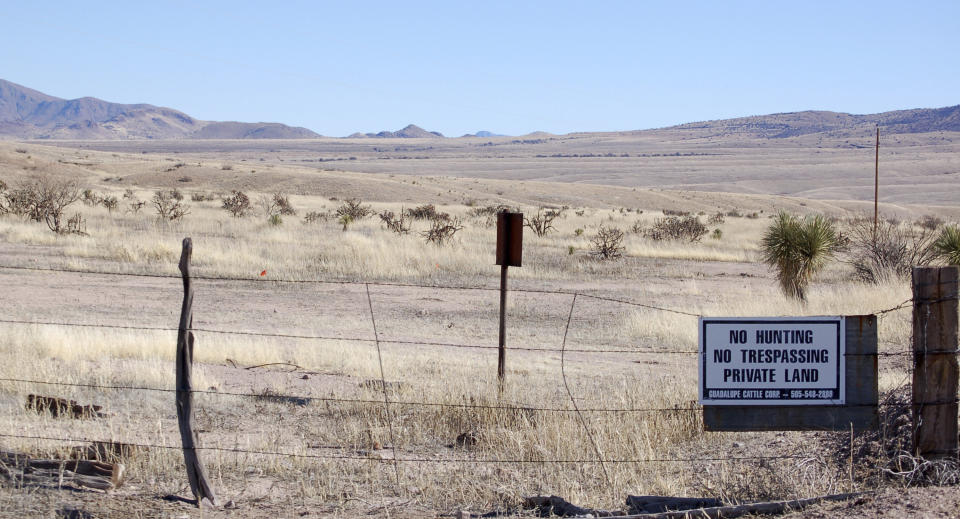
[935,369]
[195,472]
[876,187]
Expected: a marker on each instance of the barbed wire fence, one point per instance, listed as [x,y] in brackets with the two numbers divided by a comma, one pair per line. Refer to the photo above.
[387,402]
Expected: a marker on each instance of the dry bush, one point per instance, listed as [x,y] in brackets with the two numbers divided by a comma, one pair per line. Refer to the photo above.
[136,206]
[43,199]
[890,254]
[281,201]
[397,224]
[315,216]
[355,209]
[716,218]
[442,231]
[110,203]
[542,222]
[607,243]
[237,204]
[168,206]
[930,222]
[426,212]
[677,228]
[90,198]
[674,212]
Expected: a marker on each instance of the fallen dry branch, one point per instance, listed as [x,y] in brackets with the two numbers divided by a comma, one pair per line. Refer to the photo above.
[664,507]
[724,512]
[98,475]
[62,407]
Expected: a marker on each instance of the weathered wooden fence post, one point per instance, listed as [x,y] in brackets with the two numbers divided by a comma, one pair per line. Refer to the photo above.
[195,472]
[935,369]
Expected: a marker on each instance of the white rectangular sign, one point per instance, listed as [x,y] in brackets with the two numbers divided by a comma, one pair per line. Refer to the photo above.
[772,361]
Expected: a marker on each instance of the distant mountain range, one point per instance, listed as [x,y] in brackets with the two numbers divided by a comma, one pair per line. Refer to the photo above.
[411,131]
[778,126]
[28,114]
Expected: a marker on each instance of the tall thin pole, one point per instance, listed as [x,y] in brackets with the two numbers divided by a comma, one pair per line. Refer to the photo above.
[876,186]
[501,357]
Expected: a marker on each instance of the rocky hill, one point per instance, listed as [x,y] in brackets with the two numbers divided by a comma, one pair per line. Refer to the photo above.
[919,120]
[411,131]
[28,114]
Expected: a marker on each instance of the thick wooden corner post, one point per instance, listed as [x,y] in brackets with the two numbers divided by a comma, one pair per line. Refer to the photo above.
[935,369]
[195,472]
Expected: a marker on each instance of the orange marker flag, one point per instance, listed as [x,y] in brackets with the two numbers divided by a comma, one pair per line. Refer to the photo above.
[263,272]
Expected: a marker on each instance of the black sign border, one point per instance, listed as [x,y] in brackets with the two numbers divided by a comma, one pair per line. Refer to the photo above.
[838,322]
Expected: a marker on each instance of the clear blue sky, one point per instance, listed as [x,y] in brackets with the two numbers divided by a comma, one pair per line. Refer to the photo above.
[507,67]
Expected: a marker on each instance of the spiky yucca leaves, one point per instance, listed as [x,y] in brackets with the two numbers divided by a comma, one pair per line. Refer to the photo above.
[947,244]
[798,249]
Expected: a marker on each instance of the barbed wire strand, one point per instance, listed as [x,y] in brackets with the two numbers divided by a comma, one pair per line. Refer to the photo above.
[306,398]
[411,460]
[383,386]
[563,374]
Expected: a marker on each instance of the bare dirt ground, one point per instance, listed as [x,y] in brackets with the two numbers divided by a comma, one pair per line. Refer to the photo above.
[677,171]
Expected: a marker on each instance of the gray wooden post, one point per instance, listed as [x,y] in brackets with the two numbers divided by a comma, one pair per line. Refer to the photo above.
[195,472]
[935,368]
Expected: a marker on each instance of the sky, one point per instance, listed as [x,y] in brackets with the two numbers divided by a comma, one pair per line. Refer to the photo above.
[508,67]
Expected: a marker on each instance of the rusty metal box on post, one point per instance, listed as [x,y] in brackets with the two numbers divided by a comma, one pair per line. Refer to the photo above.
[509,239]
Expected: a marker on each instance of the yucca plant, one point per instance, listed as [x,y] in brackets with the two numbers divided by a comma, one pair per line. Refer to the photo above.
[947,244]
[798,249]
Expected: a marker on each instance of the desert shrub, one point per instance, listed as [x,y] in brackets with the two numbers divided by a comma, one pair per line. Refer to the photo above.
[947,245]
[44,199]
[168,206]
[890,253]
[397,224]
[355,209]
[578,232]
[110,203]
[607,243]
[20,150]
[275,220]
[345,220]
[424,212]
[677,228]
[226,167]
[930,222]
[488,210]
[90,198]
[637,227]
[674,212]
[136,206]
[4,205]
[442,231]
[717,234]
[198,197]
[282,202]
[315,216]
[715,219]
[542,222]
[570,250]
[753,216]
[237,204]
[128,194]
[798,249]
[734,213]
[75,225]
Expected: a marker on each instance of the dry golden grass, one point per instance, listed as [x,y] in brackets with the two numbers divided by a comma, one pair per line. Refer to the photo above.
[647,452]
